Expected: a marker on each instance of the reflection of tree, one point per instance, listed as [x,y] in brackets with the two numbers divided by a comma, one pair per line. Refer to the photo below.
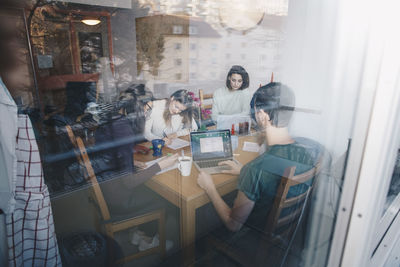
[150,47]
[90,50]
[41,22]
[49,31]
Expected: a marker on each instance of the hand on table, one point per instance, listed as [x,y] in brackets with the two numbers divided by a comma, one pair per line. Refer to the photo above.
[139,164]
[205,181]
[234,168]
[168,161]
[167,140]
[172,136]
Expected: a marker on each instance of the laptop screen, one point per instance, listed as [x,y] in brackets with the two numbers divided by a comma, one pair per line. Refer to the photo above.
[211,144]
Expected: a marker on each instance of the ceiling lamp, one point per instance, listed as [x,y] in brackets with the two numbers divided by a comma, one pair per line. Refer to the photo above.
[241,16]
[91,21]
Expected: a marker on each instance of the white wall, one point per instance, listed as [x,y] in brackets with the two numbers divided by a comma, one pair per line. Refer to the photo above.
[310,68]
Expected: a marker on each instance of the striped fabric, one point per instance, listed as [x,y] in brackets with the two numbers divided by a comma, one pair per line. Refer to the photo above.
[30,228]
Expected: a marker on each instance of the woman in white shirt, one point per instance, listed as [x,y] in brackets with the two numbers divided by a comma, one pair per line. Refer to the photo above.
[171,118]
[235,97]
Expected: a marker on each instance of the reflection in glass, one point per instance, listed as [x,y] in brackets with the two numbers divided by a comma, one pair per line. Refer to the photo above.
[172,45]
[394,188]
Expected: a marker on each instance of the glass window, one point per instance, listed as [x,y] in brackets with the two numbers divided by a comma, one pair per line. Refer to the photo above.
[177,29]
[193,30]
[178,62]
[112,105]
[178,46]
[394,188]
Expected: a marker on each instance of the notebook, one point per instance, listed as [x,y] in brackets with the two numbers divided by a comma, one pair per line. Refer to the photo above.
[209,148]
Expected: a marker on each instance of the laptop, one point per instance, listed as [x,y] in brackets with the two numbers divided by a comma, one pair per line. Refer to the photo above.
[209,148]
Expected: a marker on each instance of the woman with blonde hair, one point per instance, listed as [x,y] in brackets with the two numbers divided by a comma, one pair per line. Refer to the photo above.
[171,118]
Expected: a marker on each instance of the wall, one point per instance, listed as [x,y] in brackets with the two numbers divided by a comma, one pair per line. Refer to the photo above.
[309,61]
[124,44]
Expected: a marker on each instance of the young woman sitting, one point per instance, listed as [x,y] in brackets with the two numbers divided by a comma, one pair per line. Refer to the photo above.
[235,97]
[171,118]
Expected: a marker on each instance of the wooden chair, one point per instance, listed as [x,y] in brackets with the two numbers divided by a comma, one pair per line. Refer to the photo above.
[276,220]
[205,108]
[113,225]
[271,80]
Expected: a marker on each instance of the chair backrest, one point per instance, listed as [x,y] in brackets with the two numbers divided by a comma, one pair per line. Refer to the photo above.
[277,219]
[78,94]
[281,227]
[83,159]
[203,106]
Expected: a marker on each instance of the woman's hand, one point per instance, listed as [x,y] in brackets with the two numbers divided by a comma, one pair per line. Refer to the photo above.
[234,168]
[172,136]
[167,140]
[168,161]
[205,181]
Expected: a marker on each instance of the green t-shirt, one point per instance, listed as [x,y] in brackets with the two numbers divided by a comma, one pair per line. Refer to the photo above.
[260,178]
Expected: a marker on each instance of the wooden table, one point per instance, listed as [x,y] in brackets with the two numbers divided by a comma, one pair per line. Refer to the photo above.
[184,192]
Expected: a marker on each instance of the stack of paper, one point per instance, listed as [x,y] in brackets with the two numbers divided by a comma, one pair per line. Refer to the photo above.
[178,143]
[251,147]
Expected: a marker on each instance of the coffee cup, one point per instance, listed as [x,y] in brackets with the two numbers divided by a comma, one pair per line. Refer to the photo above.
[158,144]
[185,165]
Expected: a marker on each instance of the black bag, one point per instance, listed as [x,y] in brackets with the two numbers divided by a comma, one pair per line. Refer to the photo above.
[89,248]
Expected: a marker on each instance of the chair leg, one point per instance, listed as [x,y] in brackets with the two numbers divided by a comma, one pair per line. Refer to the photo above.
[110,235]
[209,253]
[161,233]
[109,230]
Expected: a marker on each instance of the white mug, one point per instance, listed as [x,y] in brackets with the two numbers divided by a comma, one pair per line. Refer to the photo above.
[185,165]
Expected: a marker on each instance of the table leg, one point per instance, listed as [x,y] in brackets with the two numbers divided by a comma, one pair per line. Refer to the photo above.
[188,232]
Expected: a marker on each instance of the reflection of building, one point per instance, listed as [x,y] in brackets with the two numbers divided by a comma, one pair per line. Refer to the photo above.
[259,51]
[208,10]
[205,9]
[189,49]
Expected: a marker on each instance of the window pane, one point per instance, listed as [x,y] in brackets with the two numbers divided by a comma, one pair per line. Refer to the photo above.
[394,188]
[151,73]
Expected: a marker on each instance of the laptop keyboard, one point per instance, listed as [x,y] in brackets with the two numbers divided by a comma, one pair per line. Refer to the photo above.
[209,164]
